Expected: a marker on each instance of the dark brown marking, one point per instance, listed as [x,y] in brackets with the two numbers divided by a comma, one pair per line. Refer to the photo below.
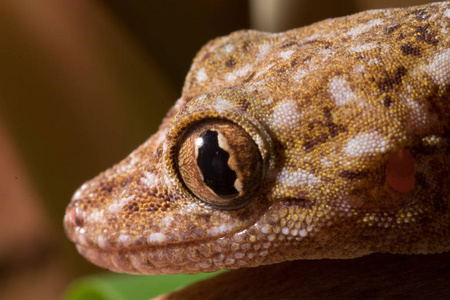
[205,57]
[294,62]
[351,175]
[398,74]
[421,14]
[312,142]
[393,28]
[409,49]
[107,187]
[282,69]
[245,46]
[319,43]
[425,34]
[401,36]
[140,241]
[387,101]
[287,45]
[231,63]
[244,104]
[204,217]
[126,181]
[333,128]
[390,81]
[250,77]
[198,233]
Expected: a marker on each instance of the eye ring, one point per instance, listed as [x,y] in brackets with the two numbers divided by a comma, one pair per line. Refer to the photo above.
[220,163]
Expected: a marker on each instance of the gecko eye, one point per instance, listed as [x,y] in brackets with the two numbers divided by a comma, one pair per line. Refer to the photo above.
[220,163]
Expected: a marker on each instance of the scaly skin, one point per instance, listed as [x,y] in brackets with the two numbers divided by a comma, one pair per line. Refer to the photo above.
[351,122]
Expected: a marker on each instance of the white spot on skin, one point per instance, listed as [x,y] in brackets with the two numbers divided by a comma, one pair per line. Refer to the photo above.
[166,221]
[326,54]
[373,61]
[340,91]
[286,54]
[355,31]
[439,67]
[117,205]
[238,73]
[325,161]
[150,179]
[265,229]
[95,216]
[366,143]
[222,104]
[156,237]
[123,239]
[363,47]
[134,159]
[81,239]
[359,69]
[309,67]
[300,74]
[286,116]
[202,97]
[103,242]
[77,195]
[296,178]
[84,186]
[228,48]
[201,75]
[263,51]
[217,230]
[447,13]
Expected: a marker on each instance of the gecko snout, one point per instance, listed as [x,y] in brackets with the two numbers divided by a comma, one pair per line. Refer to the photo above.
[74,217]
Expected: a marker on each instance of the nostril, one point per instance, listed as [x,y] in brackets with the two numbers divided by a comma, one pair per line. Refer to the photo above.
[75,216]
[400,171]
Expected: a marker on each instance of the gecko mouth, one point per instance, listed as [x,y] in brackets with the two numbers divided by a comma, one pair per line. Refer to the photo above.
[254,245]
[225,251]
[186,258]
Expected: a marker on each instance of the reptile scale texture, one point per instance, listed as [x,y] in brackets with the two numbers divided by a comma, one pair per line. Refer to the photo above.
[327,141]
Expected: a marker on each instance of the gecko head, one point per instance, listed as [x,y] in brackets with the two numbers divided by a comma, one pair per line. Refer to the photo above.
[330,141]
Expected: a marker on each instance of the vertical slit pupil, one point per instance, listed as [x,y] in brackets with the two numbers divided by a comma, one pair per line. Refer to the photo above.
[213,163]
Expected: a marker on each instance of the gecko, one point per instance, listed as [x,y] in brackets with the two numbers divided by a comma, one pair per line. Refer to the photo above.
[327,141]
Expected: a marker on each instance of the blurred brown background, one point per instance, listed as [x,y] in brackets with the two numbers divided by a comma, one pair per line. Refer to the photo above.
[82,83]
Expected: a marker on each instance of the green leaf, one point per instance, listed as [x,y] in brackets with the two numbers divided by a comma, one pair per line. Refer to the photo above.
[110,286]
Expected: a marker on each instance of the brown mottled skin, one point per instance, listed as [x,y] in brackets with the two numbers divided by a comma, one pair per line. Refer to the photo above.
[330,107]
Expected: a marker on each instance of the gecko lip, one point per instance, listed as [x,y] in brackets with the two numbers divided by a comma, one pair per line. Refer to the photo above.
[170,259]
[141,258]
